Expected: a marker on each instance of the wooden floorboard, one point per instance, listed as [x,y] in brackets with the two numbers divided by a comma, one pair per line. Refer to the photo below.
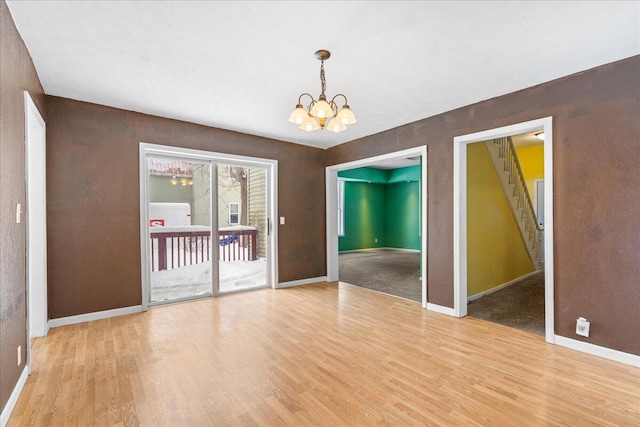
[316,355]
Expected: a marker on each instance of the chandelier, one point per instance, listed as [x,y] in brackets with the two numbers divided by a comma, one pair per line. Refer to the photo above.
[321,114]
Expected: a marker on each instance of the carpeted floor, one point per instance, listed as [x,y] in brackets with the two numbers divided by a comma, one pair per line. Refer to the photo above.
[520,306]
[392,272]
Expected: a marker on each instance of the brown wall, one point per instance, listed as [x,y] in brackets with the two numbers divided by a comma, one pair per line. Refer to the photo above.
[93,200]
[17,74]
[596,121]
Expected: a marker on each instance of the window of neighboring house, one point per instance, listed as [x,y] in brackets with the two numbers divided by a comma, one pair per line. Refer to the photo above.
[234,213]
[340,207]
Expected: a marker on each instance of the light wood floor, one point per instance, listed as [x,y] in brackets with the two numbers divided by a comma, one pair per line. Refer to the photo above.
[317,355]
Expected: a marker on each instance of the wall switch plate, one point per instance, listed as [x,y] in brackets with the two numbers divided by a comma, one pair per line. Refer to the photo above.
[19,355]
[582,327]
[18,213]
[281,220]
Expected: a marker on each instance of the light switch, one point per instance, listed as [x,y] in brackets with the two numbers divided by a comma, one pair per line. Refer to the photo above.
[281,220]
[18,213]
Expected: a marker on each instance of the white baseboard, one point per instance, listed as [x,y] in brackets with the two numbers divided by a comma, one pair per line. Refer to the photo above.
[401,250]
[81,318]
[441,309]
[596,350]
[504,285]
[302,282]
[379,249]
[13,399]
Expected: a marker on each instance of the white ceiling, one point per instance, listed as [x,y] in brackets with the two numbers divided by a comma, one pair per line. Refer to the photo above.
[241,65]
[395,163]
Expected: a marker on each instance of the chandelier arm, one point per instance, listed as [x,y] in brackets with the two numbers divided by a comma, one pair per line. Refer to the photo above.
[334,107]
[301,95]
[345,99]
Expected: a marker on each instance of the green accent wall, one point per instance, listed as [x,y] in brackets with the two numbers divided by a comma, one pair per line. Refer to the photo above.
[402,215]
[364,209]
[410,173]
[382,205]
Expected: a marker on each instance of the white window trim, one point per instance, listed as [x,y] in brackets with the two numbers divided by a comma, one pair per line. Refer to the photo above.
[234,213]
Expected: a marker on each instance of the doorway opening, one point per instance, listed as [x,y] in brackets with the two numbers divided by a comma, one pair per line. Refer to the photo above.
[365,226]
[205,224]
[499,246]
[505,281]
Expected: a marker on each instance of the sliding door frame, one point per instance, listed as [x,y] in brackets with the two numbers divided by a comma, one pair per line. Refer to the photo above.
[271,167]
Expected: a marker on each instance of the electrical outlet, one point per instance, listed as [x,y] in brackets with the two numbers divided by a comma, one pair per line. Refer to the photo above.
[19,355]
[376,240]
[582,327]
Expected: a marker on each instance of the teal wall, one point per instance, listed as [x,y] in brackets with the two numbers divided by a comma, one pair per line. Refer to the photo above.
[364,208]
[382,205]
[402,215]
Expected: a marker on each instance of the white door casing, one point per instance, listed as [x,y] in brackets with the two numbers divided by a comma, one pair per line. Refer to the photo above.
[36,223]
[331,185]
[460,212]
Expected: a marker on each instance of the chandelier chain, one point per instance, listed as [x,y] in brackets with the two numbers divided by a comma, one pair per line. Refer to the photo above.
[323,82]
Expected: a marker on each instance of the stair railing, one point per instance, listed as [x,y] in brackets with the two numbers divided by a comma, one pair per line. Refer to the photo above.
[532,229]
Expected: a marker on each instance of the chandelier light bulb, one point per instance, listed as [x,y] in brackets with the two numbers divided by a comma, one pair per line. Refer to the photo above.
[322,109]
[336,125]
[309,124]
[298,115]
[346,116]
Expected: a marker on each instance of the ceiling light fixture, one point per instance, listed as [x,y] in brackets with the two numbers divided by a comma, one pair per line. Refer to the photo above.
[540,135]
[316,115]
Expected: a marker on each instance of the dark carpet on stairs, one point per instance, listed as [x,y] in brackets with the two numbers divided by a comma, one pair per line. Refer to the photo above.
[392,272]
[520,306]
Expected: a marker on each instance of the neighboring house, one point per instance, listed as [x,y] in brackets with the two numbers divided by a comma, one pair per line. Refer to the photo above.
[257,206]
[192,186]
[231,206]
[241,195]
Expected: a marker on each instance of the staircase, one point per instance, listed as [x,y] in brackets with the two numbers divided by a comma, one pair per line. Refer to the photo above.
[504,158]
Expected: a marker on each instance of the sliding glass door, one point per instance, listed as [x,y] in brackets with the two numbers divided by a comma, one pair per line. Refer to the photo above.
[205,223]
[242,227]
[179,210]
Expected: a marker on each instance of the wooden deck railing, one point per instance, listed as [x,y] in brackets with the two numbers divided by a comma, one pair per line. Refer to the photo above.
[173,249]
[238,244]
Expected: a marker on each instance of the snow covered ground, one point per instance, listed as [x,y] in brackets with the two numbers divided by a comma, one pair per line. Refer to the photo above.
[194,280]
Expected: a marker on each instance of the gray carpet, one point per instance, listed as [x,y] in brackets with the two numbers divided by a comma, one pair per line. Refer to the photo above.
[520,306]
[392,272]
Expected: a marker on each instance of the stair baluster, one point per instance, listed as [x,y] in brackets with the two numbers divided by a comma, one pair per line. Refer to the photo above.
[504,157]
